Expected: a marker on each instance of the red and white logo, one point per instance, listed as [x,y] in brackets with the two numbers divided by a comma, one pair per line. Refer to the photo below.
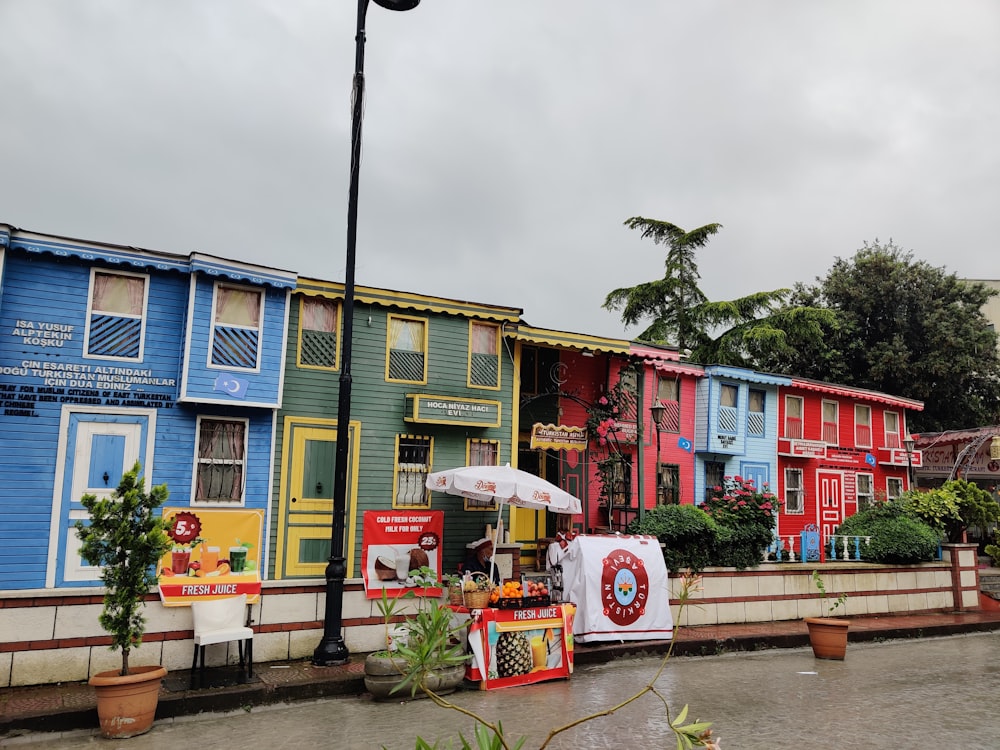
[624,587]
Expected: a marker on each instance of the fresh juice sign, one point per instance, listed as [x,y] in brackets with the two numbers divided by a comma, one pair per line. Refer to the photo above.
[215,554]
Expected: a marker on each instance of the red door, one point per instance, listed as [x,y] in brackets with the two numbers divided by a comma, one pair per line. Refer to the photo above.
[830,495]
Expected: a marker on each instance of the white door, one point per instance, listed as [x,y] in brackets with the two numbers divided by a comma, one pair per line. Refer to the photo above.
[99,449]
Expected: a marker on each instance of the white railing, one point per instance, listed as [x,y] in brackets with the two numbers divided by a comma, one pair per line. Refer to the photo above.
[843,547]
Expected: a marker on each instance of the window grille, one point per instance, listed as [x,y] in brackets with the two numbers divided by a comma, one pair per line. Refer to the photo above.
[221,461]
[794,500]
[413,461]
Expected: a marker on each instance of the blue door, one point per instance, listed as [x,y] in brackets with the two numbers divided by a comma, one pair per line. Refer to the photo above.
[99,449]
[759,474]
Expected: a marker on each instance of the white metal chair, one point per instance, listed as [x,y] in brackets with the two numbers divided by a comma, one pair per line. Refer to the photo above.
[221,621]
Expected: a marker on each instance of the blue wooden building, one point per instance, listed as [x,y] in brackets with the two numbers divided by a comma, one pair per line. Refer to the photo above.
[112,354]
[736,427]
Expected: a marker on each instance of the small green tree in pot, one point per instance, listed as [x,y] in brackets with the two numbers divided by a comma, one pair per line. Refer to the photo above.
[125,537]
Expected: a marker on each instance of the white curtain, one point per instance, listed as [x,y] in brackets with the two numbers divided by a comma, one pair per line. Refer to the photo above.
[319,315]
[237,307]
[118,294]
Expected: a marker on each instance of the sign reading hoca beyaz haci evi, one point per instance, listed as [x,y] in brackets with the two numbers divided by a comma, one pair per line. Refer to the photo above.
[429,409]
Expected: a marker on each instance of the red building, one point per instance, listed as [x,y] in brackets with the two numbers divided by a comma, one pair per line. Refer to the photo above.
[839,449]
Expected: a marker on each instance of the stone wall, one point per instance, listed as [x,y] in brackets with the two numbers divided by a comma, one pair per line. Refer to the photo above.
[47,638]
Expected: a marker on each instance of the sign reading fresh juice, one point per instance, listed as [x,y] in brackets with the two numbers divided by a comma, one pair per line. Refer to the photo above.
[215,554]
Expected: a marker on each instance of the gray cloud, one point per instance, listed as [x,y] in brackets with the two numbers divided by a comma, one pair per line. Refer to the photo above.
[506,142]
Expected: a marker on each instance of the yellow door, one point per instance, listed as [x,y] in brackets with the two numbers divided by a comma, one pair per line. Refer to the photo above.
[306,498]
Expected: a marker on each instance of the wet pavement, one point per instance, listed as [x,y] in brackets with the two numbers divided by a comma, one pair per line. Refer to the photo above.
[888,693]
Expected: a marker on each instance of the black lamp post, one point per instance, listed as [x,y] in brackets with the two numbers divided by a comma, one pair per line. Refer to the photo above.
[908,444]
[332,649]
[657,410]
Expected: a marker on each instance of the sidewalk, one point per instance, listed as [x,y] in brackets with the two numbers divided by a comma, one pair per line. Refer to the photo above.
[59,708]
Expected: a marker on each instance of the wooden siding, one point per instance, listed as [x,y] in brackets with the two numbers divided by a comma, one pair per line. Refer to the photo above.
[30,445]
[264,382]
[379,406]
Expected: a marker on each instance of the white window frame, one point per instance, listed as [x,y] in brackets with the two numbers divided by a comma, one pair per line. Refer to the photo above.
[473,325]
[763,411]
[143,317]
[891,482]
[896,442]
[865,499]
[801,418]
[800,492]
[214,325]
[862,409]
[199,461]
[827,403]
[729,420]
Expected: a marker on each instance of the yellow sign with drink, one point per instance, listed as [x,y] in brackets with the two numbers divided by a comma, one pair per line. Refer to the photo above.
[215,554]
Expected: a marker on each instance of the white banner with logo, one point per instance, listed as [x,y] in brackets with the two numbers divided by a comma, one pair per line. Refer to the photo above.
[619,585]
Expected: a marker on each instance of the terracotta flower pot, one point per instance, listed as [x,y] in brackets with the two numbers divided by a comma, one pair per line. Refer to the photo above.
[126,705]
[828,637]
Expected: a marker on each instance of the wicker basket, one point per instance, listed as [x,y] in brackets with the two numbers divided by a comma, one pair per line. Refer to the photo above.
[478,599]
[456,596]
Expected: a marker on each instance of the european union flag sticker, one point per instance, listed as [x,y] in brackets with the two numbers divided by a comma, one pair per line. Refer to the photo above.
[231,385]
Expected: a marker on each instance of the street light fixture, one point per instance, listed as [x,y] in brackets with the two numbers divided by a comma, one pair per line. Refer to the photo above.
[908,444]
[657,410]
[332,649]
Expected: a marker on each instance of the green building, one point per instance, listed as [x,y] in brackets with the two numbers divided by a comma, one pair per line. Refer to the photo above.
[432,388]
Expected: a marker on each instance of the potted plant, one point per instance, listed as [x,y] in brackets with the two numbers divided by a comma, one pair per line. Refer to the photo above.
[126,538]
[827,635]
[423,655]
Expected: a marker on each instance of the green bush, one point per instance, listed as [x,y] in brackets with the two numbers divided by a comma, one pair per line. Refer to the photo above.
[896,536]
[976,507]
[938,508]
[740,547]
[688,533]
[746,517]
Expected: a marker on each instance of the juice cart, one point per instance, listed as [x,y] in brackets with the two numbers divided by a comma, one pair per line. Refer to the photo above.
[519,646]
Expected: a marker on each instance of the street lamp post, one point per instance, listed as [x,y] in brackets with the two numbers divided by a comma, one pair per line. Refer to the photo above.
[908,444]
[332,649]
[657,410]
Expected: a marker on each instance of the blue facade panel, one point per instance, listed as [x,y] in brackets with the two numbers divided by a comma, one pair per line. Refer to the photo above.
[233,365]
[736,452]
[72,421]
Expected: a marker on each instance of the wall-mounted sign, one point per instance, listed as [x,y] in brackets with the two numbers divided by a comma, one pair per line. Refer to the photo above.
[472,412]
[897,457]
[808,448]
[215,554]
[558,437]
[396,543]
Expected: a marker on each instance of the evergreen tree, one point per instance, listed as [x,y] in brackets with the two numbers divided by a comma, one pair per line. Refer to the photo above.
[735,333]
[902,327]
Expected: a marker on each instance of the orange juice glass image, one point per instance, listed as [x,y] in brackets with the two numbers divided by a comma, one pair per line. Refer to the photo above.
[209,559]
[539,652]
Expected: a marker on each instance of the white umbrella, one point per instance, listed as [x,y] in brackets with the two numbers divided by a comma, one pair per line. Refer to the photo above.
[504,485]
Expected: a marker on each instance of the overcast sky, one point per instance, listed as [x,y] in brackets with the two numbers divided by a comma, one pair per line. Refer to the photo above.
[505,141]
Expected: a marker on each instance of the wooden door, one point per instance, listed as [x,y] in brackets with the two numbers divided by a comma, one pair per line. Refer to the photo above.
[306,499]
